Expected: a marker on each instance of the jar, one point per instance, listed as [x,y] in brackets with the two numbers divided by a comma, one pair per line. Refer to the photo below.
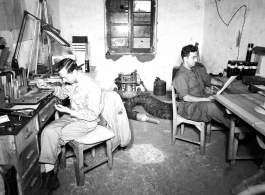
[233,68]
[240,66]
[236,68]
[159,87]
[228,74]
[253,69]
[246,69]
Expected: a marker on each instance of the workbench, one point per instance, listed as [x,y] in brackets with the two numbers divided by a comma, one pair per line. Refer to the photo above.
[19,145]
[242,104]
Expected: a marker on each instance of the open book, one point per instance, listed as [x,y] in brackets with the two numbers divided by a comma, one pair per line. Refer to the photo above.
[228,82]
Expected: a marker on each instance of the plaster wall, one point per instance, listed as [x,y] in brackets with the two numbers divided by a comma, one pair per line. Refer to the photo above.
[220,40]
[179,23]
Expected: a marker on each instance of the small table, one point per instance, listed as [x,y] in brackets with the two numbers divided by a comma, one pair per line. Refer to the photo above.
[243,105]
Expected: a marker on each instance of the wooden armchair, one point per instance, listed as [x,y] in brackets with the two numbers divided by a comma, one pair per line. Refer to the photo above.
[179,120]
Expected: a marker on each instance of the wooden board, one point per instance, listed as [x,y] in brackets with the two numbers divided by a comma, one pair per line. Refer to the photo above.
[243,106]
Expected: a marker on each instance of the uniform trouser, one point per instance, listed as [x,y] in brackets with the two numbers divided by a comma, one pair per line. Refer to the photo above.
[204,112]
[58,133]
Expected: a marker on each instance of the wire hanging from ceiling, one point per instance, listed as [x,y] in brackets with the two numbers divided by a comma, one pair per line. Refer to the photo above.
[227,24]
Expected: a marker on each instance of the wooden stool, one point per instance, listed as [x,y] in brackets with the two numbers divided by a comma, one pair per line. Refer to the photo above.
[89,141]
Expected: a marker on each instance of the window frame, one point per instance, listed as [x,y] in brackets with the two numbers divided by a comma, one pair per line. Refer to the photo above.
[130,50]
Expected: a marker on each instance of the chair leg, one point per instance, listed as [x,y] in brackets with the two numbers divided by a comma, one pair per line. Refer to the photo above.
[109,154]
[182,127]
[79,163]
[63,158]
[208,132]
[174,131]
[202,139]
[93,152]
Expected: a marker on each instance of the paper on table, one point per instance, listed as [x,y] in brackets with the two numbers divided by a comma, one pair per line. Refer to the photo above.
[34,106]
[230,80]
[4,119]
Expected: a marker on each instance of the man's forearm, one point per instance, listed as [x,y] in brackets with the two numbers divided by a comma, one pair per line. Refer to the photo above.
[58,92]
[190,98]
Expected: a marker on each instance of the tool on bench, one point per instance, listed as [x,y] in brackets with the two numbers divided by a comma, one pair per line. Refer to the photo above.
[18,112]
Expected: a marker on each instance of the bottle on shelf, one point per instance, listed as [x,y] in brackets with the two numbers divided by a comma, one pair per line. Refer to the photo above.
[246,70]
[240,67]
[253,68]
[233,68]
[228,72]
[249,52]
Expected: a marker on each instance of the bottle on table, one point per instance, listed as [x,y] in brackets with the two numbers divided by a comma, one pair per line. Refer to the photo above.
[240,67]
[249,52]
[233,68]
[228,72]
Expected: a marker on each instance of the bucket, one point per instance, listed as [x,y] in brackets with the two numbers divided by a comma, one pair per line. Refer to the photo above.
[159,87]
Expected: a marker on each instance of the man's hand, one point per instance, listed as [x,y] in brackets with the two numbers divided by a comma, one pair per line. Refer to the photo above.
[43,85]
[62,108]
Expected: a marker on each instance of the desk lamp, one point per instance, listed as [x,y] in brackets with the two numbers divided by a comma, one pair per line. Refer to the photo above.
[50,30]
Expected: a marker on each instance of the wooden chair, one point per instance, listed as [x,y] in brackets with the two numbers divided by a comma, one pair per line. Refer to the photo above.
[179,120]
[100,135]
[113,130]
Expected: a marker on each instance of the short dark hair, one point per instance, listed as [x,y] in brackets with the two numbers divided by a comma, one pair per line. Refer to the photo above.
[69,64]
[185,52]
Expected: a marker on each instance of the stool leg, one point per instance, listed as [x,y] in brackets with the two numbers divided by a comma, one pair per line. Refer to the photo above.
[79,164]
[182,129]
[109,154]
[93,152]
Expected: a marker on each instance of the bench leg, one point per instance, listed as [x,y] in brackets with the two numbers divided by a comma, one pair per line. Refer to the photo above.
[231,138]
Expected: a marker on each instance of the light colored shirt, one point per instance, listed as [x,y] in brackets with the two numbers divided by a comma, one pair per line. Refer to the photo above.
[85,97]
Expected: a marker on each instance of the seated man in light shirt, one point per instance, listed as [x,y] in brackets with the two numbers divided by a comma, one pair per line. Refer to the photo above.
[82,116]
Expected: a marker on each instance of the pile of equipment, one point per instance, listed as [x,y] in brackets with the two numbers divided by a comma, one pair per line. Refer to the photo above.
[127,83]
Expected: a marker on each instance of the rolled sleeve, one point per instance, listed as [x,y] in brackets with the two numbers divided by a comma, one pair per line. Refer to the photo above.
[61,92]
[180,83]
[206,78]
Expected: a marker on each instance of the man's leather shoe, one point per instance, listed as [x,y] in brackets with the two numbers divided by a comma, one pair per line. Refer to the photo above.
[50,182]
